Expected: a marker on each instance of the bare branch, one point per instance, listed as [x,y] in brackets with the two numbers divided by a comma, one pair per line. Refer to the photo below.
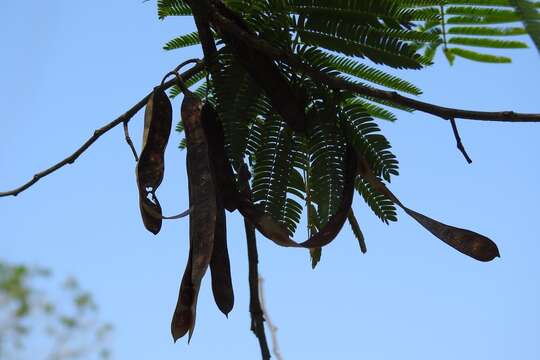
[271,326]
[257,314]
[255,309]
[124,118]
[458,141]
[224,24]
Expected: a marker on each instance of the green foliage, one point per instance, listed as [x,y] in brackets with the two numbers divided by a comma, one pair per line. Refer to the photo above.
[302,173]
[479,24]
[183,41]
[528,13]
[172,8]
[55,321]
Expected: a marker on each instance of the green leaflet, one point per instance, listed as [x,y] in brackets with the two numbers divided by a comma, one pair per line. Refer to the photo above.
[355,227]
[530,16]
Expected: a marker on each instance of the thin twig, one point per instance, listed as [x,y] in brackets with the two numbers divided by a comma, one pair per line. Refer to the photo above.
[129,142]
[255,309]
[458,141]
[257,315]
[97,134]
[226,25]
[271,326]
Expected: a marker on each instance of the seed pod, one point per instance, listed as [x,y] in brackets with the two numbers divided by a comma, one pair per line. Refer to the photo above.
[203,212]
[224,180]
[220,267]
[184,315]
[465,241]
[278,234]
[224,175]
[150,167]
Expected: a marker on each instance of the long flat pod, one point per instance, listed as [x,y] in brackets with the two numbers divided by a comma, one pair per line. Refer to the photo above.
[184,314]
[202,217]
[468,242]
[220,267]
[223,175]
[202,192]
[151,166]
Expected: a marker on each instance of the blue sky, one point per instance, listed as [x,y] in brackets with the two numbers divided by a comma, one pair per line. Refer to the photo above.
[66,69]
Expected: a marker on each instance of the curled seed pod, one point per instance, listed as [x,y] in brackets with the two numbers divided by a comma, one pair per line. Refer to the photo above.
[150,167]
[278,234]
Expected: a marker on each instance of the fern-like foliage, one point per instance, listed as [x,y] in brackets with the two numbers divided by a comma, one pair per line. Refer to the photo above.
[297,174]
[529,14]
[183,41]
[272,168]
[172,8]
[239,101]
[364,134]
[383,207]
[465,26]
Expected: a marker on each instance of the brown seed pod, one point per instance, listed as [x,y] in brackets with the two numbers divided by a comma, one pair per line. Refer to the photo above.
[224,175]
[224,180]
[203,213]
[278,234]
[465,241]
[220,267]
[184,315]
[150,167]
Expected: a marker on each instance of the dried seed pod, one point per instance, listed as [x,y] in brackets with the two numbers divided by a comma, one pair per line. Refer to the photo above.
[329,231]
[202,191]
[203,213]
[224,175]
[184,314]
[220,267]
[278,234]
[150,167]
[465,241]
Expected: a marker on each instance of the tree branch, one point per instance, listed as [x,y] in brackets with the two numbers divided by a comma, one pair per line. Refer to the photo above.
[271,326]
[255,309]
[124,118]
[223,24]
[257,315]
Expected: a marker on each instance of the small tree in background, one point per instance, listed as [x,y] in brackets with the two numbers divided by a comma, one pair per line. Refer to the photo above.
[56,322]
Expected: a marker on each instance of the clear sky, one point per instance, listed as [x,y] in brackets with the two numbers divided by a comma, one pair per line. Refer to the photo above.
[69,67]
